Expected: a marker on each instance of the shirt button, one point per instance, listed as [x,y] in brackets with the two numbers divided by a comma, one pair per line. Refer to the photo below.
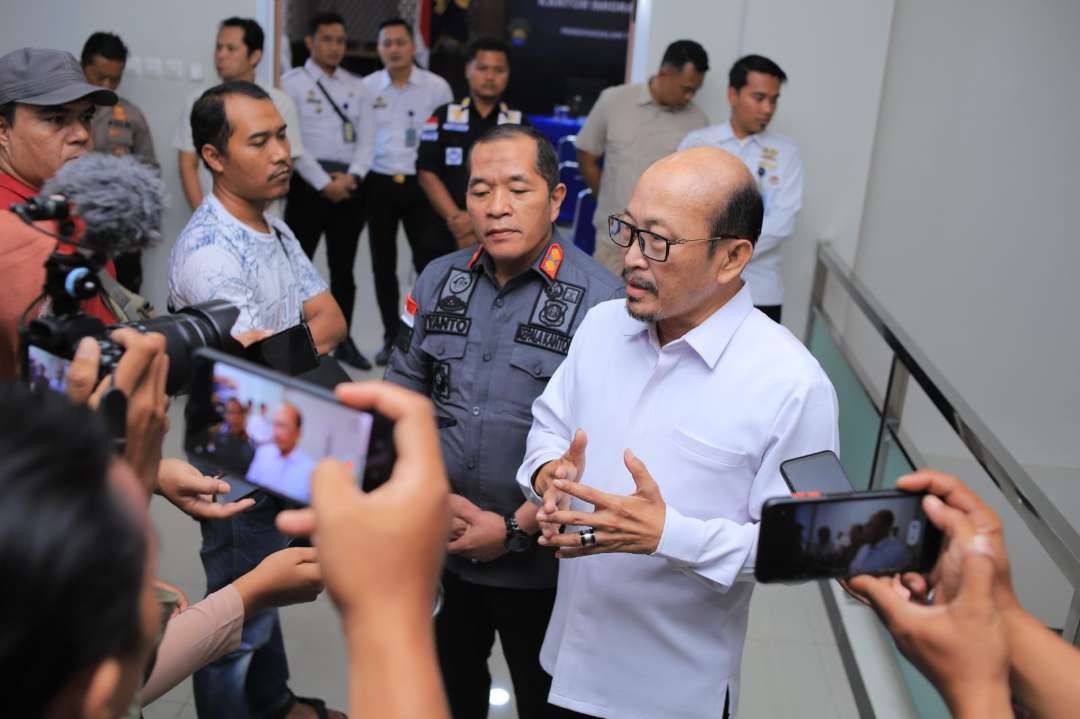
[471,464]
[440,350]
[487,356]
[475,411]
[537,370]
[500,302]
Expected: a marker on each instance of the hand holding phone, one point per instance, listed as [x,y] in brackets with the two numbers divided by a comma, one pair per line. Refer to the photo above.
[269,430]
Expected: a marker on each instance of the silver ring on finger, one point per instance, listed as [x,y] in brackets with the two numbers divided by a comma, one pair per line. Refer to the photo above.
[588,538]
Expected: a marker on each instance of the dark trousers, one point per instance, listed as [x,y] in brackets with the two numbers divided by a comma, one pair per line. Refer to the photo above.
[129,270]
[253,680]
[465,631]
[771,311]
[308,214]
[388,203]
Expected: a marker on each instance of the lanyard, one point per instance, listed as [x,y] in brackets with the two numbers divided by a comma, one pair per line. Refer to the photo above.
[350,132]
[288,261]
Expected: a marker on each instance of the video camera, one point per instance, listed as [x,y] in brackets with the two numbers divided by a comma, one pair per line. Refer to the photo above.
[121,202]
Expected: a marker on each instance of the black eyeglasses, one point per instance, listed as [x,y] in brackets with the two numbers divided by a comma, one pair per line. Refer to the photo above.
[655,247]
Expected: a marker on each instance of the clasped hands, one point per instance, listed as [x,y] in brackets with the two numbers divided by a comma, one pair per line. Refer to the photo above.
[341,187]
[629,524]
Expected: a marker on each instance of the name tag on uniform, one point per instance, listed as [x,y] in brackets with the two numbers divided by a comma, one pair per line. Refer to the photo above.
[348,132]
[410,137]
[511,117]
[454,156]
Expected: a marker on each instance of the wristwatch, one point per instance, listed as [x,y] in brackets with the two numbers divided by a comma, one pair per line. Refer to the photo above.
[516,540]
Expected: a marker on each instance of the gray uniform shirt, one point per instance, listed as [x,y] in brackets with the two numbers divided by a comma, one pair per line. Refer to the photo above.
[483,354]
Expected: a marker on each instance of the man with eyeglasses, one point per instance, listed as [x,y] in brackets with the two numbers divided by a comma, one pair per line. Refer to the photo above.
[655,445]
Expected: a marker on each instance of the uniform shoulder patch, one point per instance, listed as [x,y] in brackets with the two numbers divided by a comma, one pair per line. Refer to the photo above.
[552,260]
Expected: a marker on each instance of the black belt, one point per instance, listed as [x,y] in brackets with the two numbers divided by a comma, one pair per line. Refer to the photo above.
[399,179]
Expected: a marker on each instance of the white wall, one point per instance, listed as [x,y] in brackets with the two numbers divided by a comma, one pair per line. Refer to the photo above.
[183,31]
[833,52]
[966,236]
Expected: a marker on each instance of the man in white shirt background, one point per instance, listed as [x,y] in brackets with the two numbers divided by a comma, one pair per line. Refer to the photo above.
[882,550]
[673,442]
[281,462]
[232,249]
[773,159]
[326,194]
[402,97]
[237,51]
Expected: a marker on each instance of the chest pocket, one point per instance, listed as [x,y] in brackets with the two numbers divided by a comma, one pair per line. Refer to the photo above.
[536,363]
[444,348]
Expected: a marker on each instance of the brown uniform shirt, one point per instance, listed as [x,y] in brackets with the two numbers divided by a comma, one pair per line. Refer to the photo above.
[122,130]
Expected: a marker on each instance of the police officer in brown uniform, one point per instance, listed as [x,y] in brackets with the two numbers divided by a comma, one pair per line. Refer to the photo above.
[120,129]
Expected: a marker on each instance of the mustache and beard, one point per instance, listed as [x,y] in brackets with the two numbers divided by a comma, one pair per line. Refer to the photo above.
[641,283]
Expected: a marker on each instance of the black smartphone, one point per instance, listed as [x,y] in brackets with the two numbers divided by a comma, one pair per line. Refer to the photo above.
[819,472]
[291,351]
[270,430]
[843,535]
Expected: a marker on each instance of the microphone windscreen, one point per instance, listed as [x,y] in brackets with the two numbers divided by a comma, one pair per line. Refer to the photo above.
[120,199]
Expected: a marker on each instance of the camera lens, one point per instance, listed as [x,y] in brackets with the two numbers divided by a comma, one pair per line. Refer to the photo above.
[205,325]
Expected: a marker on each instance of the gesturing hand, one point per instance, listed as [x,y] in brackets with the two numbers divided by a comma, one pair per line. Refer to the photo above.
[569,468]
[192,492]
[631,524]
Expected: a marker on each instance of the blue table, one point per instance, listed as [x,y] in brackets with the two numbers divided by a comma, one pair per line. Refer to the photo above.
[554,127]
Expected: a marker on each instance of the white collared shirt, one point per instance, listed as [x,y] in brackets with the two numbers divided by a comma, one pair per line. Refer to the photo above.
[321,127]
[400,113]
[774,162]
[288,474]
[712,415]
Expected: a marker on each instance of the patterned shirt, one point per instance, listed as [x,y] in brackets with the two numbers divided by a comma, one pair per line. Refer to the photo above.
[267,276]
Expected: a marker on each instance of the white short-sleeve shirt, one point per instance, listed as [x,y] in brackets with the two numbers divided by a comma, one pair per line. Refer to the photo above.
[266,276]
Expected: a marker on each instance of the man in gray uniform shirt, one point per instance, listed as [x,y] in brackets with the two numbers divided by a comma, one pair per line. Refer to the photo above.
[483,331]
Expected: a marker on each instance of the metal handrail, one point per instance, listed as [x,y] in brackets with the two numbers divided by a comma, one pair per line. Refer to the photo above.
[1057,536]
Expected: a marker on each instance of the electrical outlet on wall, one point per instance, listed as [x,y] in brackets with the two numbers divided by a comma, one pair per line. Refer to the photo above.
[195,72]
[152,66]
[133,67]
[174,69]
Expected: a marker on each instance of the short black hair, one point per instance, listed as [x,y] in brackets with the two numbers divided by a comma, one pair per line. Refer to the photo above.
[741,216]
[547,162]
[395,22]
[681,52]
[71,550]
[7,112]
[105,44]
[253,32]
[209,123]
[488,43]
[753,63]
[324,18]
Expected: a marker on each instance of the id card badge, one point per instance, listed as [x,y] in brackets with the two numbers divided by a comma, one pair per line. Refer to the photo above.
[410,137]
[349,132]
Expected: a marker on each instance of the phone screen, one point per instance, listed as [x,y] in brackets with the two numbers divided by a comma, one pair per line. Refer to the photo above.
[818,472]
[44,370]
[864,533]
[271,431]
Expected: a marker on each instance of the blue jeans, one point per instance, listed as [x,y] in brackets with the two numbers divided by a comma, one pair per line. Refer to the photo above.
[253,680]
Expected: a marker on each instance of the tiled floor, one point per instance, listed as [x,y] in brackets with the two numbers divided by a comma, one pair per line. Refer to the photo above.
[791,666]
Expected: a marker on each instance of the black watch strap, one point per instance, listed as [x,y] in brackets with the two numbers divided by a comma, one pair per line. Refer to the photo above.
[516,540]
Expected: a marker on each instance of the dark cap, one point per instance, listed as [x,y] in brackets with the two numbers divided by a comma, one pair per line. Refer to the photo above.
[34,76]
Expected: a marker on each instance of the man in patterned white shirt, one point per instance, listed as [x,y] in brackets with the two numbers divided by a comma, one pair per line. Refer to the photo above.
[233,250]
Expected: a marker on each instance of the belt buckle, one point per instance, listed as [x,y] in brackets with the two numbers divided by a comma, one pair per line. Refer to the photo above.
[399,179]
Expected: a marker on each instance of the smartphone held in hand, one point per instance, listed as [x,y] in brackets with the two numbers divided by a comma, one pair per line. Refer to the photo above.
[271,430]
